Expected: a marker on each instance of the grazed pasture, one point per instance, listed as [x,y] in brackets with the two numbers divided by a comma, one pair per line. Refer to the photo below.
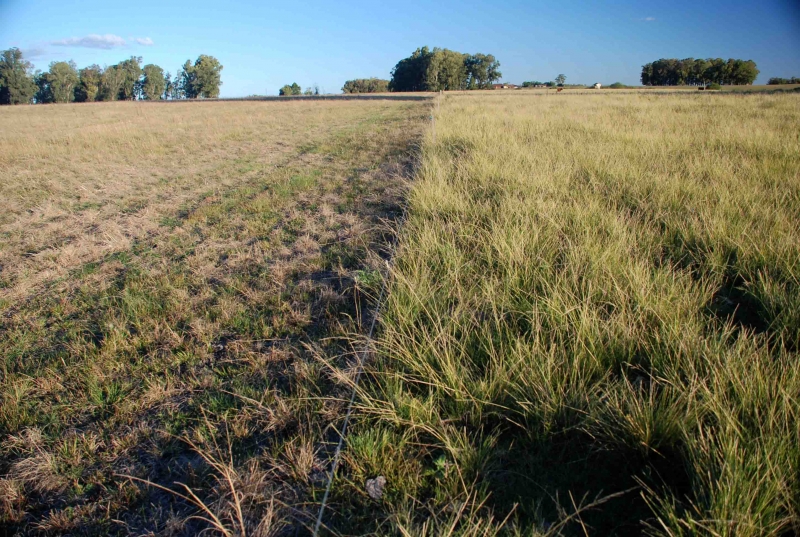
[591,327]
[177,285]
[593,323]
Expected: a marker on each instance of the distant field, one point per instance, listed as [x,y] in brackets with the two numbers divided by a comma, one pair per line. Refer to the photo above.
[776,87]
[593,323]
[176,283]
[660,89]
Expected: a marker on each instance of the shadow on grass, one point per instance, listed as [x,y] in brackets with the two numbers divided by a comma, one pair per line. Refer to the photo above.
[547,479]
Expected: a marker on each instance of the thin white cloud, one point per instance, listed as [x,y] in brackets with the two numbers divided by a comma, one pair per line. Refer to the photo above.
[107,41]
[33,52]
[649,19]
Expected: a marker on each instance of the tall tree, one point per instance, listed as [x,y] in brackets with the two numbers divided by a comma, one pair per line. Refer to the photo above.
[446,71]
[89,83]
[43,93]
[185,81]
[111,83]
[180,82]
[131,69]
[699,72]
[443,69]
[744,72]
[153,84]
[63,79]
[560,79]
[208,76]
[202,79]
[716,72]
[168,89]
[482,71]
[647,74]
[16,80]
[409,73]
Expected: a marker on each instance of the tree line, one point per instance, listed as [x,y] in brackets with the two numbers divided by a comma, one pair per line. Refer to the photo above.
[698,72]
[426,70]
[560,80]
[777,80]
[295,89]
[366,85]
[128,80]
[443,69]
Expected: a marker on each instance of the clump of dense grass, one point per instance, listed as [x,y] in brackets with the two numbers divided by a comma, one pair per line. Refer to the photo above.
[593,323]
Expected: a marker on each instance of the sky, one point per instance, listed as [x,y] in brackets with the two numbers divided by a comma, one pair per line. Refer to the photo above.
[264,45]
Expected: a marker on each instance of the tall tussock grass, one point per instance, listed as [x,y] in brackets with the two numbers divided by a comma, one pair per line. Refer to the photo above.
[592,323]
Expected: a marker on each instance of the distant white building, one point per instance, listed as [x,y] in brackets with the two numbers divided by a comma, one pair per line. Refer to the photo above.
[597,85]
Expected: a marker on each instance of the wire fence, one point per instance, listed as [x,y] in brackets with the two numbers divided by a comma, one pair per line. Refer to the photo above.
[368,347]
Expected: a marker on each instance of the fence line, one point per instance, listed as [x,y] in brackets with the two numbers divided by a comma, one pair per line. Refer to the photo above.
[368,346]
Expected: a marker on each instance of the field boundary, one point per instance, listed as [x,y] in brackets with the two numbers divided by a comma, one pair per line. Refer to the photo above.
[369,342]
[368,347]
[358,97]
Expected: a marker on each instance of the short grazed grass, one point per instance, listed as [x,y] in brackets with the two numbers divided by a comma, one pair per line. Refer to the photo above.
[592,325]
[180,286]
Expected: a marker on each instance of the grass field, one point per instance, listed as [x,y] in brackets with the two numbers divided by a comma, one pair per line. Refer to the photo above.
[777,88]
[176,284]
[591,324]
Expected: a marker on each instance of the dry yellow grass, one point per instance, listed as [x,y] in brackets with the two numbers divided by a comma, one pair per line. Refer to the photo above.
[177,281]
[594,295]
[81,181]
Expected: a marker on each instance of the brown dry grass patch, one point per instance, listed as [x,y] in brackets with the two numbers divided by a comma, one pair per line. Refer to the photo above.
[175,284]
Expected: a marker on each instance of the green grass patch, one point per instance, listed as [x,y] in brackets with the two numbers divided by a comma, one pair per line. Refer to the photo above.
[591,326]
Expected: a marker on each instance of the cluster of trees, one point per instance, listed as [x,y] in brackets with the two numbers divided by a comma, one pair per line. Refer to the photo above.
[63,82]
[559,81]
[366,85]
[443,69]
[692,72]
[295,89]
[16,78]
[777,80]
[201,79]
[125,81]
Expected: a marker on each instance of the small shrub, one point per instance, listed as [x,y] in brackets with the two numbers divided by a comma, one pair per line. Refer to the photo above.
[714,86]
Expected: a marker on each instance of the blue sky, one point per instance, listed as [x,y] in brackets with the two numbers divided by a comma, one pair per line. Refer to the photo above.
[265,44]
